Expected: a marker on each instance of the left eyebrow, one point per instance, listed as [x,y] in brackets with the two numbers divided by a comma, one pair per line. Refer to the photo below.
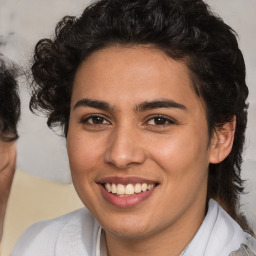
[148,105]
[92,104]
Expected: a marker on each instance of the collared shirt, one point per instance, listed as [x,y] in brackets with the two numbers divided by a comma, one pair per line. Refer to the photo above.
[79,234]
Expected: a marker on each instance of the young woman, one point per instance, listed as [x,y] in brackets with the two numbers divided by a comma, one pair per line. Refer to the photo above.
[9,116]
[151,97]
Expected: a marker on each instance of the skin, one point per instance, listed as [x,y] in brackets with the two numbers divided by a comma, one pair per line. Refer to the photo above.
[127,140]
[7,170]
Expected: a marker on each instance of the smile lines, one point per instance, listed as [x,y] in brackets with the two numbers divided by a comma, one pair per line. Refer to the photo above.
[129,189]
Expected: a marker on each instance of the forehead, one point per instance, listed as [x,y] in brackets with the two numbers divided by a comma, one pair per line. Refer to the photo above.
[128,74]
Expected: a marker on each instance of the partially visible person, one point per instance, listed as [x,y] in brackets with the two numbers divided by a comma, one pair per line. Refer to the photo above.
[9,116]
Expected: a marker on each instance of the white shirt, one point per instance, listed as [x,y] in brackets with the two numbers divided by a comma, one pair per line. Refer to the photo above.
[79,234]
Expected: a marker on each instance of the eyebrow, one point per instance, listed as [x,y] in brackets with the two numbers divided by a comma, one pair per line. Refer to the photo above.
[93,104]
[148,105]
[144,106]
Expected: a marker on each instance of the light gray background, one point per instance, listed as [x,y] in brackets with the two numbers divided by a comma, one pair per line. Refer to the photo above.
[40,151]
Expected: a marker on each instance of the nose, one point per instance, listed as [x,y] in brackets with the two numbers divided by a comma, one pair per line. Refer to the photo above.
[125,149]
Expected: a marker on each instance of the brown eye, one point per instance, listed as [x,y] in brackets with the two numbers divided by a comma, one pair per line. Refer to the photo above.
[95,120]
[160,120]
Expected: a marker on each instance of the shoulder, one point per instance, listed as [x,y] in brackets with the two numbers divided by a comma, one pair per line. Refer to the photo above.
[228,235]
[53,236]
[246,250]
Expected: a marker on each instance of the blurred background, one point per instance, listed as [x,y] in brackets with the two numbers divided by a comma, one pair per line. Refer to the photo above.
[42,185]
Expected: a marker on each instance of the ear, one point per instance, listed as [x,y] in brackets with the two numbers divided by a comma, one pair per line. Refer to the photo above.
[222,142]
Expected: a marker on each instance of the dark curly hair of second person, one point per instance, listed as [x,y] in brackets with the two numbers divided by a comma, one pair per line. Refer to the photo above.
[186,30]
[9,100]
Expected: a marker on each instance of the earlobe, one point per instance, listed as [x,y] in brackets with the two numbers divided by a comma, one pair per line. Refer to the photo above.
[222,141]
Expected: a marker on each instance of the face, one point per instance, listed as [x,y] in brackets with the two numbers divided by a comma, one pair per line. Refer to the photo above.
[138,142]
[7,169]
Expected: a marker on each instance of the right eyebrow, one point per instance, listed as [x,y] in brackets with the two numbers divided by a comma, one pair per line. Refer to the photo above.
[92,104]
[165,103]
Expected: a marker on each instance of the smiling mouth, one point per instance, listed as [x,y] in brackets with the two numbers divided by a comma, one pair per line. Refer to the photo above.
[122,190]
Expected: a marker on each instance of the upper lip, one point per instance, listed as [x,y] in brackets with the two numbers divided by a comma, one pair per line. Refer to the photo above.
[125,180]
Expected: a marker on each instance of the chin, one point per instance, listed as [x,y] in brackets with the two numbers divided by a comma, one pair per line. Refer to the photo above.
[130,229]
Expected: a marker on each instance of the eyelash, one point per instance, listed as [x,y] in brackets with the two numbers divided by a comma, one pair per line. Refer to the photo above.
[167,120]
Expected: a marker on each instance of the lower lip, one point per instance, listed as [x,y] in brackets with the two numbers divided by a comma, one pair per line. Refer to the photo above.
[125,201]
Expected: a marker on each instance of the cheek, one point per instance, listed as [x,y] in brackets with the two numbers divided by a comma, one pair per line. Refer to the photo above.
[178,148]
[183,159]
[85,153]
[82,159]
[184,164]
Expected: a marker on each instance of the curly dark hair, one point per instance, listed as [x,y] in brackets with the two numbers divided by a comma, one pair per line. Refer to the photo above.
[185,30]
[9,100]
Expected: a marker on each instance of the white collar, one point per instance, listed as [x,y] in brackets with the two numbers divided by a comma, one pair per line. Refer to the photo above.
[101,247]
[218,235]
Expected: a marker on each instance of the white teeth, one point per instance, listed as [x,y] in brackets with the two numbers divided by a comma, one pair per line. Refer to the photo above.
[120,189]
[137,188]
[130,189]
[150,186]
[108,187]
[113,188]
[144,187]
